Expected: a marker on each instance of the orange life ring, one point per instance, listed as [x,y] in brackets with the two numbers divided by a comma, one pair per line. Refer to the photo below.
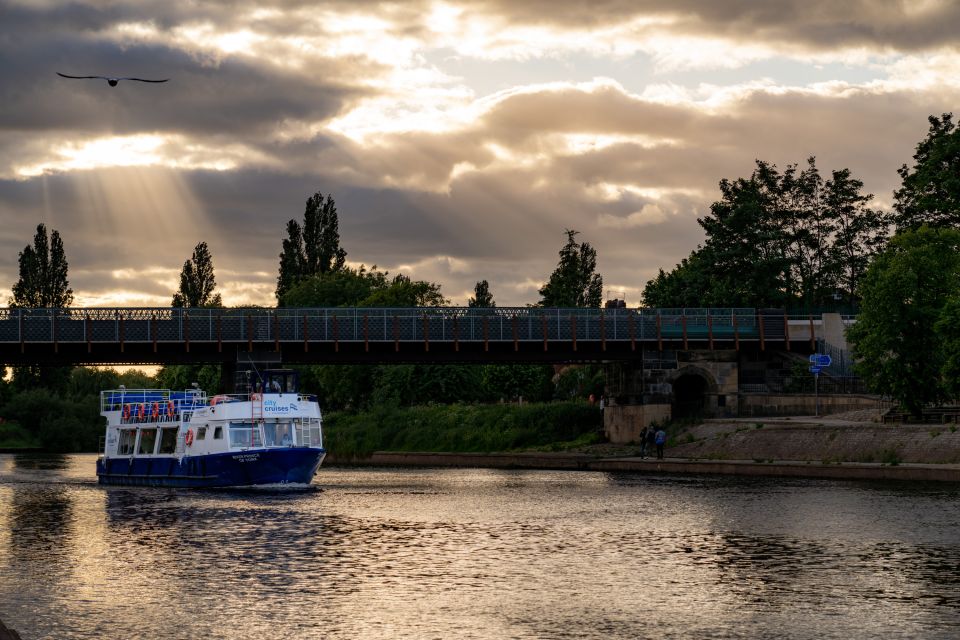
[126,412]
[141,409]
[170,409]
[156,411]
[189,437]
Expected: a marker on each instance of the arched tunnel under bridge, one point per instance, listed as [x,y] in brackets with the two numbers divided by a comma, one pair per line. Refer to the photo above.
[690,389]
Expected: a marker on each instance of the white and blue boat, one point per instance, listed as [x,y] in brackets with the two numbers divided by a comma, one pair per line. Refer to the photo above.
[157,437]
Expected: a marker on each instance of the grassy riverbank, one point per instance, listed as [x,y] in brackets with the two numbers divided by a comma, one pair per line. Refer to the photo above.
[462,428]
[13,436]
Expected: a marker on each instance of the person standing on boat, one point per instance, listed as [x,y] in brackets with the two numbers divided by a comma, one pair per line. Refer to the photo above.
[660,439]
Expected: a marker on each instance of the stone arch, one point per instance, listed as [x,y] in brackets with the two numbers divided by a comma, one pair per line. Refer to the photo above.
[691,388]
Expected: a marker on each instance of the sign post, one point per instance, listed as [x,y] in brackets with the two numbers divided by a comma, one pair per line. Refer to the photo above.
[817,362]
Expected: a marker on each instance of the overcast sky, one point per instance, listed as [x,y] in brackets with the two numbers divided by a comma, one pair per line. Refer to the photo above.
[458,139]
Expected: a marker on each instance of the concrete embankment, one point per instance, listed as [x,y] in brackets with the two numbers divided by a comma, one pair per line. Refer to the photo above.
[797,447]
[828,440]
[586,462]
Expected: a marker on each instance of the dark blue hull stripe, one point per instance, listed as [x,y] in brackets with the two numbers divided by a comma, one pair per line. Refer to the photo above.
[294,465]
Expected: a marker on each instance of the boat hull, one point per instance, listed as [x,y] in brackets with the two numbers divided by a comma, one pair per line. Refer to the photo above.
[290,465]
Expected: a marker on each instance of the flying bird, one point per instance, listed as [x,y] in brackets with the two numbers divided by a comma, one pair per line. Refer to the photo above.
[110,79]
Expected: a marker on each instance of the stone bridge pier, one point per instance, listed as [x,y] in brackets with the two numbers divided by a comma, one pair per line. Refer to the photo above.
[661,386]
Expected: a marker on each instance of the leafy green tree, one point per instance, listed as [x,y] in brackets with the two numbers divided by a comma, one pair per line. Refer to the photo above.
[482,298]
[948,330]
[197,281]
[313,248]
[343,288]
[409,385]
[930,191]
[532,382]
[574,283]
[745,243]
[43,273]
[404,292]
[775,239]
[859,232]
[182,376]
[689,284]
[904,294]
[42,283]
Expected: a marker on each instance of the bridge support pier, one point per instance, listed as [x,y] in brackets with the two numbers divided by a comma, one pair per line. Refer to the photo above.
[662,385]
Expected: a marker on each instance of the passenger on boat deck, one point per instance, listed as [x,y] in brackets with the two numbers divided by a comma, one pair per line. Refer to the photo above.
[285,441]
[275,386]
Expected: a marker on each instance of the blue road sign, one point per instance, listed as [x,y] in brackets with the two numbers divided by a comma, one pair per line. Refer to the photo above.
[814,369]
[820,359]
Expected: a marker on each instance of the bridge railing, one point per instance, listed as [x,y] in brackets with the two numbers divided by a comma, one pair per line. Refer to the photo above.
[498,324]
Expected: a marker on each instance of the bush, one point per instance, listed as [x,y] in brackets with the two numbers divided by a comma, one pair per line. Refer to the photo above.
[459,428]
[13,436]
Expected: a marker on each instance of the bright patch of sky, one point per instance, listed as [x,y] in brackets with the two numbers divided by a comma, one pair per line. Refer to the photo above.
[635,73]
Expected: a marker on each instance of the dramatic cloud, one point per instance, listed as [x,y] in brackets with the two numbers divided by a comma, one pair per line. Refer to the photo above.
[459,139]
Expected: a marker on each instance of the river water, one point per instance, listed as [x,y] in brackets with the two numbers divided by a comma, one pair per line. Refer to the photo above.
[466,553]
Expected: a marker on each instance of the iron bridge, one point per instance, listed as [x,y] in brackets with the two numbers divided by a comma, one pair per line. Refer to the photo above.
[344,335]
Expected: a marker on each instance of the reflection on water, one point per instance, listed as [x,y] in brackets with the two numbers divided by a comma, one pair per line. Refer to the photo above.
[476,554]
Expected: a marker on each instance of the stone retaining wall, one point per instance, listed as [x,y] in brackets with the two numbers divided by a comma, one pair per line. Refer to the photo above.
[801,404]
[783,440]
[622,424]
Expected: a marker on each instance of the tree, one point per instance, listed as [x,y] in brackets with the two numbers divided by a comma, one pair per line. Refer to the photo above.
[689,284]
[574,282]
[930,191]
[311,249]
[182,376]
[404,292]
[197,281]
[42,283]
[344,288]
[481,296]
[905,292]
[43,274]
[776,239]
[948,330]
[859,232]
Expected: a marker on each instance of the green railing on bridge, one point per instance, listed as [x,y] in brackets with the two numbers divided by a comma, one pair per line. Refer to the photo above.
[496,324]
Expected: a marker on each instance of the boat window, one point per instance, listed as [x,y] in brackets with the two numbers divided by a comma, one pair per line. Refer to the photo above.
[148,441]
[127,438]
[278,434]
[202,433]
[218,433]
[243,434]
[168,440]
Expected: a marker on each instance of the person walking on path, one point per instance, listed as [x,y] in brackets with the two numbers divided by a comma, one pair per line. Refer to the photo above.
[651,437]
[643,443]
[660,439]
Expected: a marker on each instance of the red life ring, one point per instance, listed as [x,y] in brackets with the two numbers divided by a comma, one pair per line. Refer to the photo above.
[126,412]
[189,437]
[170,409]
[156,411]
[141,409]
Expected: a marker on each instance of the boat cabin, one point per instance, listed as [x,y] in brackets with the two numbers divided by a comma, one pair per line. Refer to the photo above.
[267,381]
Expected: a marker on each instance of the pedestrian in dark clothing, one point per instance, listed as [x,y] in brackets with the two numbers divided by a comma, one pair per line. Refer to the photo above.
[643,443]
[651,436]
[660,439]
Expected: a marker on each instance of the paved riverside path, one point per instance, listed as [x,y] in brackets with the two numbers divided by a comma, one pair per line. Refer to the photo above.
[635,464]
